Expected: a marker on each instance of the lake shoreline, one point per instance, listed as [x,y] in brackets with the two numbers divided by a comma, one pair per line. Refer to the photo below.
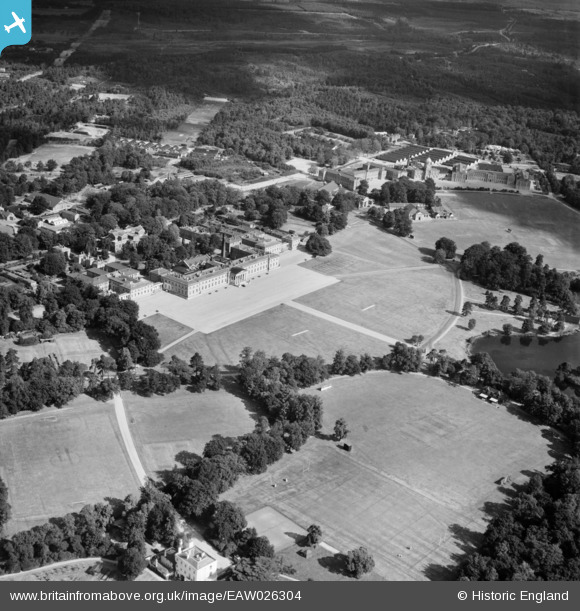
[539,341]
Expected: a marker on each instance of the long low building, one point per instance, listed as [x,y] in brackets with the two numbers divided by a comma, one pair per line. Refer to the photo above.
[130,288]
[213,275]
[494,174]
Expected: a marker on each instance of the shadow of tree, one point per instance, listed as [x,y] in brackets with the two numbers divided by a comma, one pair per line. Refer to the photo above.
[116,505]
[467,541]
[324,436]
[230,385]
[299,539]
[104,341]
[335,564]
[559,447]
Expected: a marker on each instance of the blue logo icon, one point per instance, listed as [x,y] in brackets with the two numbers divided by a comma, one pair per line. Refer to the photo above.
[15,22]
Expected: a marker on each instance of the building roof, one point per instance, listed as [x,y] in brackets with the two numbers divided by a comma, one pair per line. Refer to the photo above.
[130,283]
[128,232]
[94,281]
[119,267]
[489,167]
[159,271]
[197,557]
[237,270]
[193,262]
[96,272]
[330,188]
[51,200]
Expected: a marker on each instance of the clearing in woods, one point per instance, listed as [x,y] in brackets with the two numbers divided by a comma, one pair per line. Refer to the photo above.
[425,463]
[66,346]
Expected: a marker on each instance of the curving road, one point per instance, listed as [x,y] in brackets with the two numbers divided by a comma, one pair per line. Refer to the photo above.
[128,439]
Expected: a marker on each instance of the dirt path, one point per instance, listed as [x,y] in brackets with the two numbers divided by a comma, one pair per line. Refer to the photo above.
[101,21]
[452,320]
[30,76]
[178,341]
[128,439]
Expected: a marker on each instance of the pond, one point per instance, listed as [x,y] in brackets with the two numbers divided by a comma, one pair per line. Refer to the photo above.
[541,354]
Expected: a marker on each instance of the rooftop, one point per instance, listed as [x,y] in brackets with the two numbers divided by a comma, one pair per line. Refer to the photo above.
[197,557]
[490,167]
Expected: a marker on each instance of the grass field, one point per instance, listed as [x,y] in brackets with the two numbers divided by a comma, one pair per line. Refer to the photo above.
[288,538]
[61,153]
[386,283]
[188,131]
[72,346]
[169,330]
[422,473]
[539,223]
[277,331]
[321,566]
[55,462]
[399,304]
[300,226]
[363,247]
[164,426]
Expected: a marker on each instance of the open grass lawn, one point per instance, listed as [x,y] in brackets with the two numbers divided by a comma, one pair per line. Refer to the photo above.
[386,283]
[399,304]
[61,153]
[169,330]
[276,331]
[188,131]
[56,462]
[71,346]
[363,247]
[164,426]
[321,566]
[297,224]
[539,223]
[420,481]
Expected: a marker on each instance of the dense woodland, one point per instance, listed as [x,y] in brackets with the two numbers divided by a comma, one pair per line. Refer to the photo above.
[75,535]
[513,269]
[76,307]
[537,537]
[33,108]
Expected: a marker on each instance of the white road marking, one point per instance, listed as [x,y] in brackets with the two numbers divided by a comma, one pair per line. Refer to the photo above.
[299,333]
[368,308]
